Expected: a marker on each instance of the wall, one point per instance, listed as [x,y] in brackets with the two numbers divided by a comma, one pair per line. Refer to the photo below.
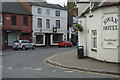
[82,39]
[82,7]
[52,17]
[19,24]
[96,23]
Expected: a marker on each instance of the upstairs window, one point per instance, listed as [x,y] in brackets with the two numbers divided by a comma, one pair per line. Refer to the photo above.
[47,11]
[47,23]
[25,21]
[39,22]
[57,13]
[39,10]
[13,20]
[58,23]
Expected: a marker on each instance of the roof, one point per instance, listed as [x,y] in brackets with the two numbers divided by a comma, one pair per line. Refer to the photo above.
[14,7]
[97,6]
[48,5]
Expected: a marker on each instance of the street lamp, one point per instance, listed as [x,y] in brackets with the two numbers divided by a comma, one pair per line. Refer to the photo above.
[54,29]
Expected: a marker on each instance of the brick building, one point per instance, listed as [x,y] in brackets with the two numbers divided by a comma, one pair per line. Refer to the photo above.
[17,23]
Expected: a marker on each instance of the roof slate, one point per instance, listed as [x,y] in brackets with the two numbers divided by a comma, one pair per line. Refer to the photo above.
[14,7]
[48,5]
[96,6]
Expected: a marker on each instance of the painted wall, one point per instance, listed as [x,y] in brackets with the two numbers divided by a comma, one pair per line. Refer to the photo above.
[82,7]
[96,23]
[52,17]
[82,39]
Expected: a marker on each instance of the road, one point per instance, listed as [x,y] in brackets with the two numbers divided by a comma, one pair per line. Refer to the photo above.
[29,64]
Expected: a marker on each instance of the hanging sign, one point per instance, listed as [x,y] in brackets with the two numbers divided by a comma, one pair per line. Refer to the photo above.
[110,31]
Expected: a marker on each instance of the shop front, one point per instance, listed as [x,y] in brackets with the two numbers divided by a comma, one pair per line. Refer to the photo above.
[47,39]
[9,36]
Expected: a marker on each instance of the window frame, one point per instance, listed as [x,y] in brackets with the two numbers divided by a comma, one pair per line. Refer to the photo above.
[57,12]
[41,38]
[47,11]
[47,24]
[39,10]
[25,23]
[13,22]
[39,24]
[57,24]
[94,40]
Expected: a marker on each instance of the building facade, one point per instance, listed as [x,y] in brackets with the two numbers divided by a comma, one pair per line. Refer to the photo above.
[49,24]
[17,24]
[101,32]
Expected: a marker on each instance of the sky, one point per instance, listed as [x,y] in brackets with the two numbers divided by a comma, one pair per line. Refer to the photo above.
[61,2]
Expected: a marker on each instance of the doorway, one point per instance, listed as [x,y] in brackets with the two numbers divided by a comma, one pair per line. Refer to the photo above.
[47,39]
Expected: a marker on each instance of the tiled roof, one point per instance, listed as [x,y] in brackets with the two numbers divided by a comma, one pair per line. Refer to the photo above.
[48,5]
[97,5]
[14,7]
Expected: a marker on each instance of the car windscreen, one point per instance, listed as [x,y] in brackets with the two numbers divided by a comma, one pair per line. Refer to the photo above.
[16,42]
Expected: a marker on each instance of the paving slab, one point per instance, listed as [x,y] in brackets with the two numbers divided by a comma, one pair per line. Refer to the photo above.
[69,59]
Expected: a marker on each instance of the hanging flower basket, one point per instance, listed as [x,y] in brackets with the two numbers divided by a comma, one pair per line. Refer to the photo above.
[78,27]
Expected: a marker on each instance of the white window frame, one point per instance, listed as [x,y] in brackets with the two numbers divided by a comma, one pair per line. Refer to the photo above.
[39,10]
[94,39]
[57,13]
[58,24]
[47,24]
[47,11]
[39,23]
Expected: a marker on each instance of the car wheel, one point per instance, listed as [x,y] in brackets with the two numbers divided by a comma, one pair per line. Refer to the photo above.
[23,48]
[33,47]
[65,46]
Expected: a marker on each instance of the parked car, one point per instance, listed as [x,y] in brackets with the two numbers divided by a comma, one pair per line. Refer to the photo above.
[23,44]
[65,44]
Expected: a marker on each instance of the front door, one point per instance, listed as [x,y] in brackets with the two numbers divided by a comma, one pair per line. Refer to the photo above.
[47,40]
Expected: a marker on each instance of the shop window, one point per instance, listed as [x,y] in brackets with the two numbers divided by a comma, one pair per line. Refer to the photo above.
[57,38]
[39,39]
[13,20]
[25,21]
[94,39]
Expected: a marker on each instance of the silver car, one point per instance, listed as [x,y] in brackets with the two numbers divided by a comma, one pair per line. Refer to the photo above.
[23,44]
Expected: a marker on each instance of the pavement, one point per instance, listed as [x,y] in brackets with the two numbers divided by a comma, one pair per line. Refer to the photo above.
[68,59]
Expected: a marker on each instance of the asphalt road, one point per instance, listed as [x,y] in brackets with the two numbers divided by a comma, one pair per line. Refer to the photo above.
[29,64]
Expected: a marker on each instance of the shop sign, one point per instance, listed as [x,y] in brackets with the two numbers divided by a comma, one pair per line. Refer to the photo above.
[110,31]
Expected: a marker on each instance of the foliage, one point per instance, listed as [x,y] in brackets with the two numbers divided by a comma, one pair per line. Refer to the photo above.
[78,27]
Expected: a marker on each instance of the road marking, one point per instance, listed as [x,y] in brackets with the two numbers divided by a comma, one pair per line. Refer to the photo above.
[39,69]
[69,71]
[10,67]
[27,68]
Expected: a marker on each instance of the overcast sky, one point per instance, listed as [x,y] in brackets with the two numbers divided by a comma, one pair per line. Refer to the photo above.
[61,2]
